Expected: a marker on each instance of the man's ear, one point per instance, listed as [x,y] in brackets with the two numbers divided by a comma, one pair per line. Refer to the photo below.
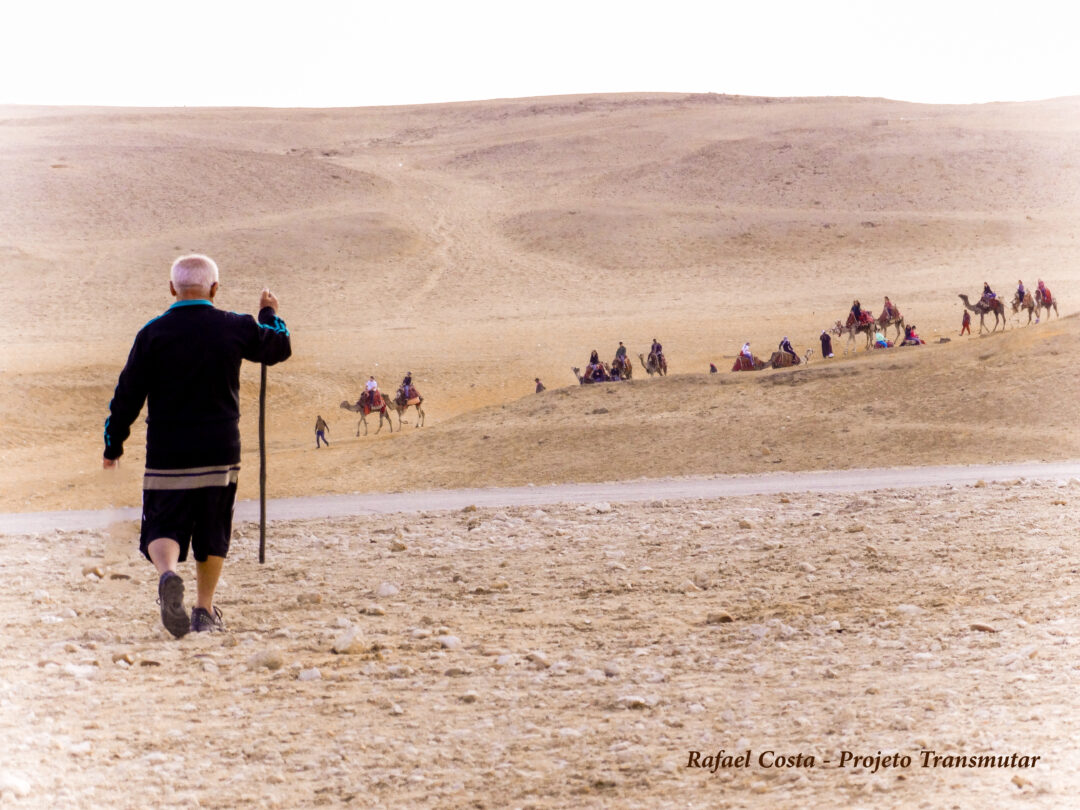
[213,290]
[172,289]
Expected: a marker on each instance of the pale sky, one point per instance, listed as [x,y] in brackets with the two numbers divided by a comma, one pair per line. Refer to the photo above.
[326,53]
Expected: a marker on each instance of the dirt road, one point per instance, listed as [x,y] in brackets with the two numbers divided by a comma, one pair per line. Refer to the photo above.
[329,506]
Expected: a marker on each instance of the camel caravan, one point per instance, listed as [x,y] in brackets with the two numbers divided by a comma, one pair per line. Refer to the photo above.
[859,321]
[621,367]
[372,401]
[875,330]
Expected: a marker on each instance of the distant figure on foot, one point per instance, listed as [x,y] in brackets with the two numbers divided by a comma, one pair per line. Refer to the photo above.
[185,365]
[826,344]
[965,325]
[320,432]
[539,386]
[712,368]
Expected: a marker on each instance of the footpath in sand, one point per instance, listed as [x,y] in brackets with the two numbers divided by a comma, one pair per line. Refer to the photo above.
[563,656]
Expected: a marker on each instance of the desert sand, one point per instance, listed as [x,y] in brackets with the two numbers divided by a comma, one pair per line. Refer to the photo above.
[480,245]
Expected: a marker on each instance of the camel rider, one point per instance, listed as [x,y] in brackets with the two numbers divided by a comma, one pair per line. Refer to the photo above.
[1044,293]
[988,294]
[785,346]
[890,310]
[745,351]
[371,388]
[1020,291]
[856,312]
[620,353]
[594,358]
[657,350]
[406,386]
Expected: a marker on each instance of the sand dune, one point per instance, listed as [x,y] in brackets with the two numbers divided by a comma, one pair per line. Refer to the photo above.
[479,245]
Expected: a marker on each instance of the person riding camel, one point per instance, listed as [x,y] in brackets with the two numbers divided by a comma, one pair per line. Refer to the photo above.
[656,350]
[1020,292]
[406,386]
[1044,293]
[594,358]
[890,312]
[371,390]
[856,315]
[785,346]
[745,351]
[988,295]
[619,363]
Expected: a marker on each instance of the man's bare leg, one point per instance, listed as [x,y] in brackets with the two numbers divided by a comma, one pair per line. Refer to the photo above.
[207,575]
[164,554]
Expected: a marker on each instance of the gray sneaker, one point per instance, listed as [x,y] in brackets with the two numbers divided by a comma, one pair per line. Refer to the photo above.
[171,598]
[203,621]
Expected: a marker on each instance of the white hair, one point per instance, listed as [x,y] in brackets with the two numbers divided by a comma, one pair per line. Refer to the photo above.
[194,272]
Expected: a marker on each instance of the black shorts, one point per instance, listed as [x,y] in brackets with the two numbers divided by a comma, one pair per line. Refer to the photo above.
[201,518]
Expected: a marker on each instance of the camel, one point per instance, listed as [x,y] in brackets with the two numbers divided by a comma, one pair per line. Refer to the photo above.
[625,370]
[856,328]
[994,305]
[607,377]
[1027,304]
[784,360]
[884,321]
[383,414]
[1041,305]
[652,366]
[400,403]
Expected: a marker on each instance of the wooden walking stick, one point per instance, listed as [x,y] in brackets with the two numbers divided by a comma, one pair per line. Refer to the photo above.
[262,465]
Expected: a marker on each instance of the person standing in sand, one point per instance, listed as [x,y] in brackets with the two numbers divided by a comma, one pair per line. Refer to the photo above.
[320,431]
[965,325]
[185,364]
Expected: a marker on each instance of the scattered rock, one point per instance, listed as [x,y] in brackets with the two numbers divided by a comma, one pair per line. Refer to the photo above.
[348,642]
[469,508]
[719,617]
[980,484]
[312,674]
[387,589]
[309,598]
[267,659]
[856,527]
[15,783]
[983,628]
[539,659]
[93,571]
[470,697]
[449,642]
[1020,781]
[397,545]
[603,507]
[745,524]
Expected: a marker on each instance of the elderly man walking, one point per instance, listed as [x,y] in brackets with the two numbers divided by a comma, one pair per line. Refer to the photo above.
[185,364]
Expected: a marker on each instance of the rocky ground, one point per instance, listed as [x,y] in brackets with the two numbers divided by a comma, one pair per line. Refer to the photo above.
[568,656]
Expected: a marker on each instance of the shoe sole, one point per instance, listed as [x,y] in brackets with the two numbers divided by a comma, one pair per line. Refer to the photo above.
[173,615]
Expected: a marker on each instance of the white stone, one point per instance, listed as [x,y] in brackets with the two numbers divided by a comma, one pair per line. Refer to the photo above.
[387,589]
[449,642]
[312,674]
[15,783]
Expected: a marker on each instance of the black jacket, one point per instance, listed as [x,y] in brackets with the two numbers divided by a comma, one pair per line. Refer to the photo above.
[185,364]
